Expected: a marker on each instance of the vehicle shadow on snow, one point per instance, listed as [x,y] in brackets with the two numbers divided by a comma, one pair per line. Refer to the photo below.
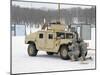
[49,56]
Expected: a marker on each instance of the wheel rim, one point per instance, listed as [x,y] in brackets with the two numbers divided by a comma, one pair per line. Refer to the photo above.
[30,50]
[64,52]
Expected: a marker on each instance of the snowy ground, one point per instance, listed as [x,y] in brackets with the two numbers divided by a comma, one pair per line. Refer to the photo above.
[22,63]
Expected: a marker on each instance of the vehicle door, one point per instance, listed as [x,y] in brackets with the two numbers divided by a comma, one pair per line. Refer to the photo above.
[50,43]
[41,40]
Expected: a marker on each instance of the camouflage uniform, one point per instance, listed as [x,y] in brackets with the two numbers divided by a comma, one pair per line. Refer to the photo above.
[83,50]
[74,51]
[77,48]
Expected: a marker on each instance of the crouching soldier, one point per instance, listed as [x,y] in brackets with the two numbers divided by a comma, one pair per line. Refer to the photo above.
[73,51]
[83,49]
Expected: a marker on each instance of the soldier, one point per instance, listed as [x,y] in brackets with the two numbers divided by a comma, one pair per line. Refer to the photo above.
[83,49]
[73,51]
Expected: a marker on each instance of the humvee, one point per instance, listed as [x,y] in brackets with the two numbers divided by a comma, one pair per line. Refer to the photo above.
[53,38]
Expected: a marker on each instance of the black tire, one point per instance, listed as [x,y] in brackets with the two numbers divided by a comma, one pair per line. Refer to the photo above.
[64,52]
[50,53]
[86,53]
[32,51]
[81,54]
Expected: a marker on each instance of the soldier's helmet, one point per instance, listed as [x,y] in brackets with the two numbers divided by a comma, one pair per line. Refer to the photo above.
[79,40]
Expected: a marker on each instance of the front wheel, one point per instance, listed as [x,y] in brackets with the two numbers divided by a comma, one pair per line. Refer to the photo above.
[32,51]
[64,52]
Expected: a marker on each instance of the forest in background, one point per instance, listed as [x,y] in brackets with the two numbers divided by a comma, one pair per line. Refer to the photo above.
[30,16]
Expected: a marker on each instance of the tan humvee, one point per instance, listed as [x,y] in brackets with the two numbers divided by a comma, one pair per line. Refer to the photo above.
[54,39]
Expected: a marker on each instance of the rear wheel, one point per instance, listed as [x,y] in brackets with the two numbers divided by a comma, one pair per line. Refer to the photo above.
[50,53]
[64,52]
[32,51]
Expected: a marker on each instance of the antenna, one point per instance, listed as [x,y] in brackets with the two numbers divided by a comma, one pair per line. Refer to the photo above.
[59,12]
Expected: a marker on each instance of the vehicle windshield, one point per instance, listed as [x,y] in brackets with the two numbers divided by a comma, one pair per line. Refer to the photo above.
[63,35]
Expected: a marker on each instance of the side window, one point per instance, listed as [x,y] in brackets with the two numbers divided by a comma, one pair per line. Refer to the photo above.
[61,35]
[69,36]
[40,35]
[50,36]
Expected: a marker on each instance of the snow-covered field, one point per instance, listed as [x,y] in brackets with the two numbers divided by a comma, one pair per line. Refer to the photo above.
[22,63]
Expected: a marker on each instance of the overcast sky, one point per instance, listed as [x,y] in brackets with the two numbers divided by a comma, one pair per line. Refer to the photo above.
[45,5]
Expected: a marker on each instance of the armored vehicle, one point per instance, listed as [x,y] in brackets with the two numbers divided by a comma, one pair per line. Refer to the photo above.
[53,38]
